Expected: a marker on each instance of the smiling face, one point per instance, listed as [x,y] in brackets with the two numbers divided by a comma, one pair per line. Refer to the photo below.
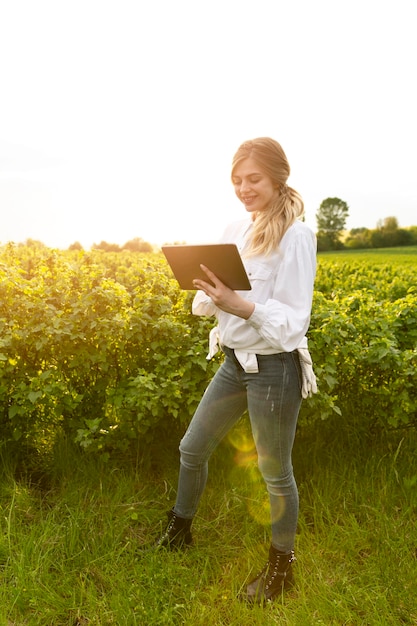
[254,188]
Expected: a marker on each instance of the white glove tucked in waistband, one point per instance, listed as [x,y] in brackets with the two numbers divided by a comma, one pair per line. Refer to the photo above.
[309,378]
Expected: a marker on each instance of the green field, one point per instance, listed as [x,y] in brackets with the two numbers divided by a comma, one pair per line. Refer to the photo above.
[406,254]
[75,517]
[71,551]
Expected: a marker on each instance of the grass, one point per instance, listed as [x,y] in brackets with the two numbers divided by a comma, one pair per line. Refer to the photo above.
[71,547]
[405,254]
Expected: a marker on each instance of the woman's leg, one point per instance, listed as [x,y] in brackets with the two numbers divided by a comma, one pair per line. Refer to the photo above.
[274,400]
[222,405]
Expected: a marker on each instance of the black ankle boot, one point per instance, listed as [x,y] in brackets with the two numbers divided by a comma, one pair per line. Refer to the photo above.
[177,533]
[275,576]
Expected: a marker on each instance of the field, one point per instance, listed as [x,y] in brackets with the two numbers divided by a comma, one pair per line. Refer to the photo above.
[406,254]
[78,517]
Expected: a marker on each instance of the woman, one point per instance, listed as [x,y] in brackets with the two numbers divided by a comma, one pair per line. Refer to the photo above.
[267,368]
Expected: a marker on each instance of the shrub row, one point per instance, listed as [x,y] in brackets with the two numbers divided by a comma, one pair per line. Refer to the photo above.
[103,360]
[363,340]
[103,347]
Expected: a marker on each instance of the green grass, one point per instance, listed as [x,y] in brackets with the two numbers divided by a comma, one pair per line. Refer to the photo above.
[406,254]
[71,549]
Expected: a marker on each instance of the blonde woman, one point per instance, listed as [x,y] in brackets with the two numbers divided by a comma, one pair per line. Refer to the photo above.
[267,368]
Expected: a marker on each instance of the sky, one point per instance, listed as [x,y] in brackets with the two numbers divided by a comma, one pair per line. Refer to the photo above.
[119,119]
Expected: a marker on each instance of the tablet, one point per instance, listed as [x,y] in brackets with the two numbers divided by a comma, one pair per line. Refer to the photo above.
[223,259]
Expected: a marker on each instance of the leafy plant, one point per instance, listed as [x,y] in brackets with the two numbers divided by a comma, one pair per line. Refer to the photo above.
[102,347]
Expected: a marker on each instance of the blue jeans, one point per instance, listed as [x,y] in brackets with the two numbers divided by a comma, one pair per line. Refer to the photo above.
[272,398]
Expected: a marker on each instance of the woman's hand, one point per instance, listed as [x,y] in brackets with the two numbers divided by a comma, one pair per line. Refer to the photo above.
[224,298]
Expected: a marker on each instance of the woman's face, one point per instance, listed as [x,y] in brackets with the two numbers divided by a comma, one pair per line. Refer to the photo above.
[253,187]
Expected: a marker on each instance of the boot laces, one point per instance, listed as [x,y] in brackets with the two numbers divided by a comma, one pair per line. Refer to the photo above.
[272,569]
[167,534]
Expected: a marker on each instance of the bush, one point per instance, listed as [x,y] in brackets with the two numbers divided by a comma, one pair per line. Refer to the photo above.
[102,347]
[103,360]
[363,340]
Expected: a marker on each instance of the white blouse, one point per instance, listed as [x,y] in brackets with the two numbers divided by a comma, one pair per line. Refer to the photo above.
[282,290]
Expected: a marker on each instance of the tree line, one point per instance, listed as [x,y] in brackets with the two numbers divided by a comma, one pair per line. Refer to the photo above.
[133,245]
[331,235]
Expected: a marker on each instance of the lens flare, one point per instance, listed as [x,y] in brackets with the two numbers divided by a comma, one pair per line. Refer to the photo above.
[258,508]
[241,438]
[247,474]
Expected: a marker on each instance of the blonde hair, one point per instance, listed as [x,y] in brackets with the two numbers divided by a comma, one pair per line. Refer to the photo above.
[271,225]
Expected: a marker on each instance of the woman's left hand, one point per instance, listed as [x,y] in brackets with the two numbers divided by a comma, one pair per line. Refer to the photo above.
[223,297]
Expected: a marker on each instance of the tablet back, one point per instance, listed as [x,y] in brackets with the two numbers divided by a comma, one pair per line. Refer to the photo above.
[223,259]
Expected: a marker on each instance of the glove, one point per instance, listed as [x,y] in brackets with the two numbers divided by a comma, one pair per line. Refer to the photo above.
[309,378]
[214,341]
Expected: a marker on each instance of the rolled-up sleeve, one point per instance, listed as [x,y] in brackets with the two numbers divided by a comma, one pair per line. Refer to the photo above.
[203,305]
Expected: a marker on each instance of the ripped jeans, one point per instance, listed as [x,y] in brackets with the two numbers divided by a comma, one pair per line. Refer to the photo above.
[272,398]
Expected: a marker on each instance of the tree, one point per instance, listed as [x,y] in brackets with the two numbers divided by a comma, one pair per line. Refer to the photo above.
[33,243]
[107,247]
[359,238]
[331,219]
[412,230]
[75,246]
[137,245]
[388,224]
[389,235]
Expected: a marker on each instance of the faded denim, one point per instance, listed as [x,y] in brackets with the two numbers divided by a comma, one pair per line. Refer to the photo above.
[272,398]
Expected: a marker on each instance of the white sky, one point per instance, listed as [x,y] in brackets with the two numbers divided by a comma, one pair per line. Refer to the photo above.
[119,119]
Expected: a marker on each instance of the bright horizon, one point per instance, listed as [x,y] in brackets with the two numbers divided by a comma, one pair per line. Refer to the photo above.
[120,121]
